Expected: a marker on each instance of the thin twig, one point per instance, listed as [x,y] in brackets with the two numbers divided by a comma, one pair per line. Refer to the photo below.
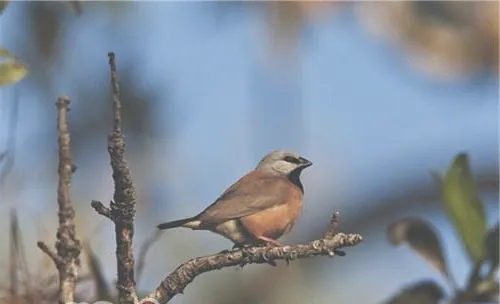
[177,281]
[332,227]
[122,209]
[115,87]
[68,248]
[101,286]
[141,259]
[51,253]
[102,210]
[122,213]
[50,294]
[13,253]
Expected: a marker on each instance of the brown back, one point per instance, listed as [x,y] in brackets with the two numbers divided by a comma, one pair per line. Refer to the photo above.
[252,193]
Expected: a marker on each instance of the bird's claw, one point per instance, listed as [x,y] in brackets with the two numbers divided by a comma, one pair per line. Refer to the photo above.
[246,254]
[272,263]
[269,242]
[238,247]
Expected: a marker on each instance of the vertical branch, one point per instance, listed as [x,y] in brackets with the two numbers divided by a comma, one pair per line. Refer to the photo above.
[122,212]
[122,208]
[68,248]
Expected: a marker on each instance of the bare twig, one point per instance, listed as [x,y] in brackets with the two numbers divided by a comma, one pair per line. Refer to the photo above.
[13,253]
[99,280]
[67,259]
[51,294]
[102,210]
[141,260]
[51,253]
[332,227]
[177,281]
[122,213]
[122,208]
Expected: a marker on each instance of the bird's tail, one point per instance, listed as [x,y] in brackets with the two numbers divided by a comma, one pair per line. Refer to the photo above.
[189,222]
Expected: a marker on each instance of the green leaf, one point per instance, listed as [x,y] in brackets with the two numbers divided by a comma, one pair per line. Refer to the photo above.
[464,207]
[11,73]
[420,235]
[425,292]
[3,5]
[11,70]
[492,247]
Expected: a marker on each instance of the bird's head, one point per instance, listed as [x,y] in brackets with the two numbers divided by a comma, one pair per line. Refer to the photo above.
[283,163]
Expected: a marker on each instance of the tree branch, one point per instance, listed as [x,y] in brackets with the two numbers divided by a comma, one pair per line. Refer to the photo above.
[179,279]
[122,209]
[122,213]
[51,253]
[68,248]
[102,210]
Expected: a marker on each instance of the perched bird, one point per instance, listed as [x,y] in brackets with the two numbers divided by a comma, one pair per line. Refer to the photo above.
[260,207]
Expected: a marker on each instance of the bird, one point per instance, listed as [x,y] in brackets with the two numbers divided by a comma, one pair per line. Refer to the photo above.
[260,207]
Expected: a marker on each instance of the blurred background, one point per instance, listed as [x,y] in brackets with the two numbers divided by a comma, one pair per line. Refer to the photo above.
[377,95]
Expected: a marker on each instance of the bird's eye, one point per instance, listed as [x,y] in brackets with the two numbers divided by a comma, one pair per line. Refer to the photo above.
[291,159]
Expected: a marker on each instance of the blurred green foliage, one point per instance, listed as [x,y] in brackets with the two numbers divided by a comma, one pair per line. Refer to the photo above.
[465,210]
[3,5]
[420,235]
[11,70]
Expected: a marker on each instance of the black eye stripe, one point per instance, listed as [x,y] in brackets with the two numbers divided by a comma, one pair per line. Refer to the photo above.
[291,159]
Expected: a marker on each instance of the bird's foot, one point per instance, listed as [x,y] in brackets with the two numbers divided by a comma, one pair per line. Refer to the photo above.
[245,251]
[269,241]
[239,247]
[235,247]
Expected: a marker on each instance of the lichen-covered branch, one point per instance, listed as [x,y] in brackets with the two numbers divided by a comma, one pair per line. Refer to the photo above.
[122,209]
[177,281]
[67,258]
[122,212]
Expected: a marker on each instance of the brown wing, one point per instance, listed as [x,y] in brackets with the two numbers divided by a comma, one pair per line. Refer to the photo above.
[252,193]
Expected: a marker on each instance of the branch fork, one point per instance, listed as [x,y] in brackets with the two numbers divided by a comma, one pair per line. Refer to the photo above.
[68,247]
[122,212]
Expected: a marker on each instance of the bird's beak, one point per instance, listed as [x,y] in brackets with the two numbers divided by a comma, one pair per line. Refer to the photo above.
[304,163]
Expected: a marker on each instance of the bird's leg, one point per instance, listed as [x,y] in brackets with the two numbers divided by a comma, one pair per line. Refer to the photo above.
[244,248]
[235,247]
[238,246]
[269,241]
